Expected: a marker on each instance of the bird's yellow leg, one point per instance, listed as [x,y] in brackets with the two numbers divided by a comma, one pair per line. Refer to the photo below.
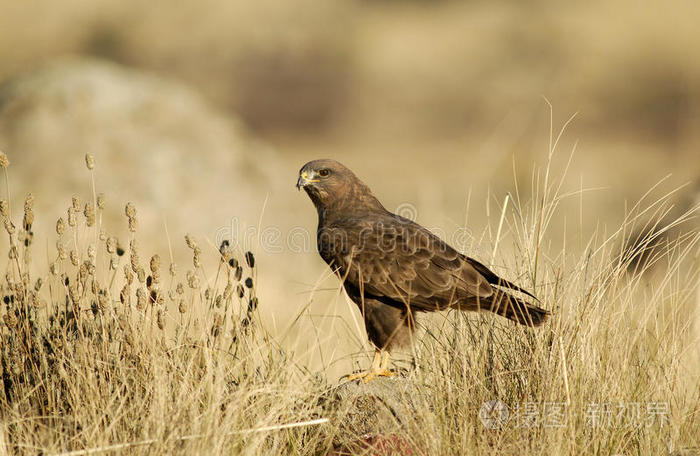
[375,366]
[381,370]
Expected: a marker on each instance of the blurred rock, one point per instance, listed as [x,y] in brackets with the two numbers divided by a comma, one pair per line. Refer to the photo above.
[156,143]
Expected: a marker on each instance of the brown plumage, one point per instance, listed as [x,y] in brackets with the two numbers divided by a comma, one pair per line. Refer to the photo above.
[393,268]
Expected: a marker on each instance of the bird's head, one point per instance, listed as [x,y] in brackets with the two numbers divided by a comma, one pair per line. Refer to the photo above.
[330,184]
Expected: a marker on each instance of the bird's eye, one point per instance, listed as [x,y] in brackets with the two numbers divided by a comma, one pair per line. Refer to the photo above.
[324,172]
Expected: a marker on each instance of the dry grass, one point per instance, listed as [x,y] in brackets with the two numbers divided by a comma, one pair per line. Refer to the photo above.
[113,349]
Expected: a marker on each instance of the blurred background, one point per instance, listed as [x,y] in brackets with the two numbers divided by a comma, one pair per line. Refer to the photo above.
[202,112]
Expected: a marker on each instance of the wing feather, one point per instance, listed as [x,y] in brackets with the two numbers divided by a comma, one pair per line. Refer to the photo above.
[397,260]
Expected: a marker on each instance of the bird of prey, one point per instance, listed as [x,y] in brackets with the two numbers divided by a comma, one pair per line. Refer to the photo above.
[393,268]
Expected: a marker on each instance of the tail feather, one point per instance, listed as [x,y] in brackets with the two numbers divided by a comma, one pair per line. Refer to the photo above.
[516,309]
[510,307]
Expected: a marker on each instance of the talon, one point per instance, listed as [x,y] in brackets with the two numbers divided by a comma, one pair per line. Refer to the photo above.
[379,373]
[357,376]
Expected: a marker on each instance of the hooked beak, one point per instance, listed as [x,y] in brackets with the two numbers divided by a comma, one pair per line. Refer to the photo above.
[304,180]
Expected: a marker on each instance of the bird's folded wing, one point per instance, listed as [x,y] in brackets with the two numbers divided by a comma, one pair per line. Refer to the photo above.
[410,266]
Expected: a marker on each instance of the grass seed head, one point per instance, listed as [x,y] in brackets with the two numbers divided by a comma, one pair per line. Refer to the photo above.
[196,257]
[4,161]
[155,263]
[130,210]
[72,217]
[141,299]
[90,161]
[101,201]
[74,258]
[76,203]
[89,213]
[159,319]
[250,259]
[4,209]
[125,295]
[111,245]
[9,227]
[60,226]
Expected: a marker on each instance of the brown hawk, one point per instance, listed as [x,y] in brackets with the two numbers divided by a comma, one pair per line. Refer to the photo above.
[393,268]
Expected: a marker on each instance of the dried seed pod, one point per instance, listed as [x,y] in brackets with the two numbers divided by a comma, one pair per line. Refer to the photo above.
[173,269]
[133,224]
[28,220]
[250,259]
[62,253]
[252,304]
[130,210]
[76,203]
[72,217]
[91,252]
[128,275]
[240,290]
[249,282]
[89,213]
[103,300]
[125,295]
[111,245]
[180,289]
[181,306]
[217,301]
[10,319]
[101,201]
[141,299]
[28,212]
[195,257]
[4,208]
[4,161]
[225,251]
[83,272]
[155,263]
[228,290]
[239,273]
[60,226]
[134,260]
[159,319]
[90,161]
[190,241]
[74,258]
[9,227]
[192,280]
[141,274]
[74,293]
[37,285]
